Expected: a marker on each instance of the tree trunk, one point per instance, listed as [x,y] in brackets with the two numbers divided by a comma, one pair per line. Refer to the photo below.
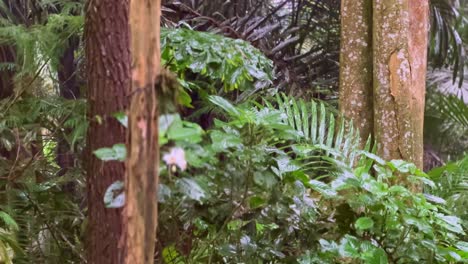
[143,161]
[108,71]
[417,42]
[385,43]
[355,98]
[70,90]
[400,43]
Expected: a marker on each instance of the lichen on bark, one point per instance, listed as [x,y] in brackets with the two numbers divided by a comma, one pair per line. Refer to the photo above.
[399,77]
[356,65]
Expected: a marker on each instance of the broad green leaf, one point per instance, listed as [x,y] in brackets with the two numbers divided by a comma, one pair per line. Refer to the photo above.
[349,247]
[402,166]
[191,189]
[377,256]
[364,223]
[185,131]
[223,141]
[322,188]
[285,165]
[224,104]
[434,199]
[235,225]
[118,152]
[165,121]
[9,221]
[256,202]
[265,179]
[452,223]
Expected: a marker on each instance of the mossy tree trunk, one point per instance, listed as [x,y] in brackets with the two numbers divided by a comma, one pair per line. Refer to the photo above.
[384,42]
[143,149]
[109,79]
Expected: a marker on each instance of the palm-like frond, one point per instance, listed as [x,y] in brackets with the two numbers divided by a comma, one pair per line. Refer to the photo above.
[446,41]
[446,124]
[452,185]
[320,127]
[454,109]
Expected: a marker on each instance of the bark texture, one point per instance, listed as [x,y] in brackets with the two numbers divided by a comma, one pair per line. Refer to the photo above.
[109,80]
[356,65]
[417,44]
[400,43]
[382,73]
[143,161]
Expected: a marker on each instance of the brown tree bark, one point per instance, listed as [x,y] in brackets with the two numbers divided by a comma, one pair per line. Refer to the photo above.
[385,42]
[143,161]
[400,41]
[355,98]
[108,71]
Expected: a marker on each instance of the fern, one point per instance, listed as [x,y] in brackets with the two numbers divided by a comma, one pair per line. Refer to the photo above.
[452,185]
[320,128]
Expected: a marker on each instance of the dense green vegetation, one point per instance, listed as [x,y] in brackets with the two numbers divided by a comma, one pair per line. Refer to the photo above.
[256,165]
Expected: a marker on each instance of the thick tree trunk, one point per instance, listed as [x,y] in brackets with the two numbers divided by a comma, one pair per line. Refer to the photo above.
[417,42]
[143,161]
[399,43]
[108,71]
[385,43]
[356,65]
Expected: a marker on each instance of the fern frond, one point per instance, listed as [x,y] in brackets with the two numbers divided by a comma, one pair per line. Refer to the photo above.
[321,128]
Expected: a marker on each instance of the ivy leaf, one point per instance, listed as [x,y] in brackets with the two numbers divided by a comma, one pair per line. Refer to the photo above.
[117,152]
[111,200]
[364,223]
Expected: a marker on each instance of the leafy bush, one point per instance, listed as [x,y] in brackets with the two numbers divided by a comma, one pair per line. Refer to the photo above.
[216,61]
[452,185]
[250,195]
